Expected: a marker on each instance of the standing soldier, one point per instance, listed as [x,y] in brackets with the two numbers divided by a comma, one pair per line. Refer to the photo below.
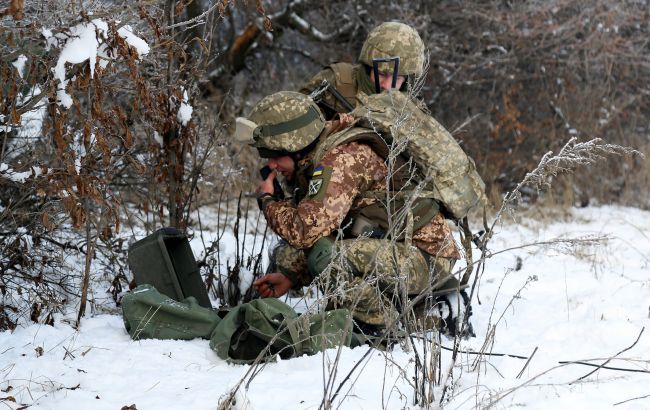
[392,57]
[335,225]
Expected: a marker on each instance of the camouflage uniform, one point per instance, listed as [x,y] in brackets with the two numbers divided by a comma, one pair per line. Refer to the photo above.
[386,40]
[344,174]
[368,276]
[352,81]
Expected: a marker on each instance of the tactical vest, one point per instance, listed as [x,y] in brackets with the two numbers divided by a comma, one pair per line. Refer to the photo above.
[396,213]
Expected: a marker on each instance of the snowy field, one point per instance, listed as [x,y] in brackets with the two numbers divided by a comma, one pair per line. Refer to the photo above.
[588,303]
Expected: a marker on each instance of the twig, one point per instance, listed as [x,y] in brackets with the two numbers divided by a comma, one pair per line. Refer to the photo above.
[198,19]
[563,362]
[347,376]
[86,275]
[634,398]
[610,359]
[620,369]
[527,361]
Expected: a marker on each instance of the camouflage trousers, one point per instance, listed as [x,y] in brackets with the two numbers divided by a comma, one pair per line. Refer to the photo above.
[373,278]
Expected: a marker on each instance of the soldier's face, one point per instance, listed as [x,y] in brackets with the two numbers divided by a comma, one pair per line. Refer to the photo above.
[386,80]
[284,165]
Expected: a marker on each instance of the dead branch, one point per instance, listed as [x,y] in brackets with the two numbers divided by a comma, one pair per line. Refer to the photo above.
[610,359]
[634,398]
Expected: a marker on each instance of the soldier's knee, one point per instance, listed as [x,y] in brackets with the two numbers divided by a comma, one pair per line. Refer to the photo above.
[320,256]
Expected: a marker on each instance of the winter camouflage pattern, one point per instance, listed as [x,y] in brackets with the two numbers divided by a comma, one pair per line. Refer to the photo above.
[394,39]
[280,108]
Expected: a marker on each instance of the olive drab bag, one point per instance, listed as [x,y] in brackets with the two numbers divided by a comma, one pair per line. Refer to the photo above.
[268,327]
[449,174]
[263,327]
[148,314]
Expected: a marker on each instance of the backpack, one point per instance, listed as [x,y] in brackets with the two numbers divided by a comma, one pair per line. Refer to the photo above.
[391,123]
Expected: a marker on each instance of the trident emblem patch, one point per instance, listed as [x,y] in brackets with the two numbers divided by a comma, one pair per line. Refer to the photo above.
[314,186]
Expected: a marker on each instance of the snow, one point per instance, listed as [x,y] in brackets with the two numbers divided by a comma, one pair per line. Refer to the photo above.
[7,172]
[19,63]
[31,124]
[84,42]
[582,303]
[139,44]
[158,138]
[185,111]
[50,38]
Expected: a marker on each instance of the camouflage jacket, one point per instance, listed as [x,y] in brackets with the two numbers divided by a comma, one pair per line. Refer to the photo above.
[335,187]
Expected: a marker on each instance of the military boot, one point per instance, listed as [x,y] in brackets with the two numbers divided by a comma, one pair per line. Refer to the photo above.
[442,313]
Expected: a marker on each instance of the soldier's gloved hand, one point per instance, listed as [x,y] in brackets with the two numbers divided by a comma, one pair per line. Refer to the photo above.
[272,285]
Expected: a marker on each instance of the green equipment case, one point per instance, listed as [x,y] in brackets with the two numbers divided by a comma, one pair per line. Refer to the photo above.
[164,260]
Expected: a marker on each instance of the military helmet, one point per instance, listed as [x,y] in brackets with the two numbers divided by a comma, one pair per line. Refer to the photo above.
[394,39]
[286,122]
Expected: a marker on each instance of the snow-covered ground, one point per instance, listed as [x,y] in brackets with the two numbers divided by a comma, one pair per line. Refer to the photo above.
[586,303]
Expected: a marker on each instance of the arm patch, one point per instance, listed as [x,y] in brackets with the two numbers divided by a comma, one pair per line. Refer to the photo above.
[318,183]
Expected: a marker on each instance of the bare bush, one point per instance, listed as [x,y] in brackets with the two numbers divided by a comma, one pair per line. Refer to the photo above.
[96,129]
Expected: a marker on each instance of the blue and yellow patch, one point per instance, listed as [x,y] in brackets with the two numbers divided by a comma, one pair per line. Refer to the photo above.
[320,178]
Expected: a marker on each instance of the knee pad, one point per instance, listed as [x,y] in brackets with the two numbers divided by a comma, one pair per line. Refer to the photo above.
[320,256]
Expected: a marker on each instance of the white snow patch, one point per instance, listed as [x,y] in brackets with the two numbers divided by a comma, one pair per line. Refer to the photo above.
[139,44]
[185,111]
[50,39]
[19,63]
[158,138]
[586,304]
[85,42]
[7,172]
[31,123]
[245,280]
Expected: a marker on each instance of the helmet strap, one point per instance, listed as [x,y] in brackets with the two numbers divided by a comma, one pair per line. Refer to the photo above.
[301,121]
[375,70]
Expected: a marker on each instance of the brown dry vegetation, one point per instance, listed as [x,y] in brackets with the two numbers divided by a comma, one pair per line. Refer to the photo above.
[513,80]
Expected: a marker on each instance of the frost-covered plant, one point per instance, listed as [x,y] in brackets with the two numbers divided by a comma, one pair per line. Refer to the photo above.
[87,130]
